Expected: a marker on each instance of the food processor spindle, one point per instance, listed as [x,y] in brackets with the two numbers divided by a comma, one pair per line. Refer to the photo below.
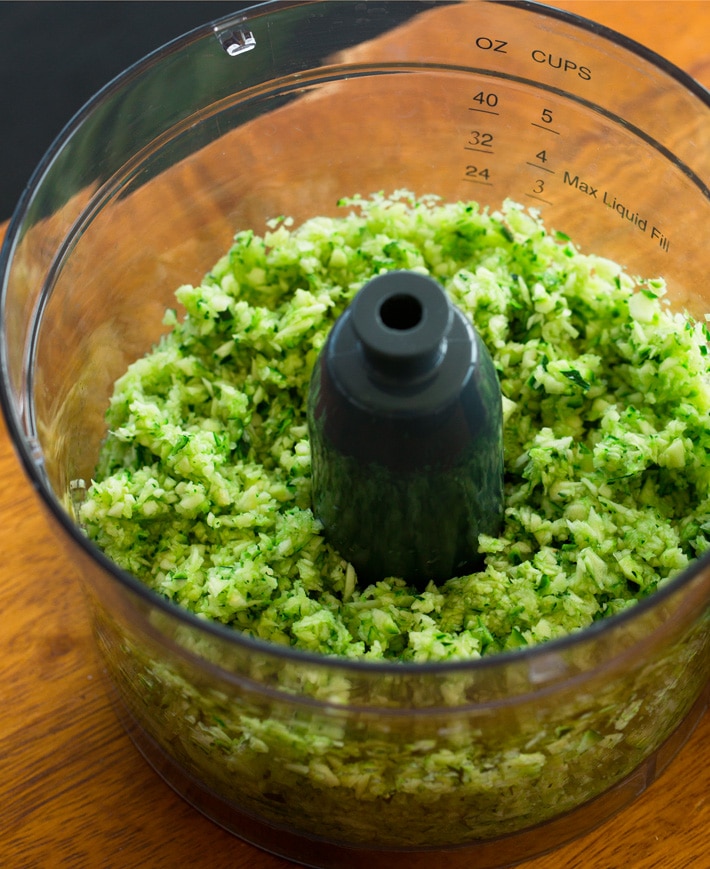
[405,422]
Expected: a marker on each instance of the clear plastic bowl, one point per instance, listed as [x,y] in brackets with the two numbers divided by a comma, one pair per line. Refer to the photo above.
[283,110]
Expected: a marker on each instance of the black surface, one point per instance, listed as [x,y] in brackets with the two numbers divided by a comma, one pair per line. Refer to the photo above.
[54,56]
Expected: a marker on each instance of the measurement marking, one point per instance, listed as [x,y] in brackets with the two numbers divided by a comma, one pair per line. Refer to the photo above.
[544,127]
[483,111]
[480,150]
[476,181]
[541,168]
[538,198]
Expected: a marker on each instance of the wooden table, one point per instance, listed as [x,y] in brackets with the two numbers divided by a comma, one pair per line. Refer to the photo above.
[74,792]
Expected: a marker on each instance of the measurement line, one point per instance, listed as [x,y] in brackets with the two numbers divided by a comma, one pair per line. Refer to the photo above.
[479,150]
[483,111]
[476,181]
[543,127]
[541,168]
[538,198]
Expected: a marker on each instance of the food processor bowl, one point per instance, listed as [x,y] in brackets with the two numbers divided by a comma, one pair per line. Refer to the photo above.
[282,110]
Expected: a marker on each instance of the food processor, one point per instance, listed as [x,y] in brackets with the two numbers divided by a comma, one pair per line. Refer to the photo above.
[283,109]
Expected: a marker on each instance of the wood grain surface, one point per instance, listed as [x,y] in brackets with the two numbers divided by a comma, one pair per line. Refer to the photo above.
[74,792]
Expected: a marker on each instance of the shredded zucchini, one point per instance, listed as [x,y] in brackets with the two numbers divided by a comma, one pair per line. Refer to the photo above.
[203,484]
